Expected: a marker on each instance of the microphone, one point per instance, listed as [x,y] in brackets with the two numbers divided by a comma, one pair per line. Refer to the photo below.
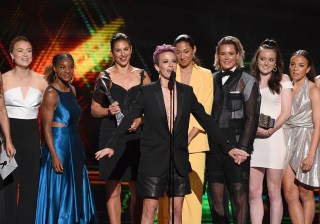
[172,80]
[173,76]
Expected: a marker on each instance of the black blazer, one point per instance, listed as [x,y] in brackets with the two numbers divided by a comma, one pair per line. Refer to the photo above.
[155,141]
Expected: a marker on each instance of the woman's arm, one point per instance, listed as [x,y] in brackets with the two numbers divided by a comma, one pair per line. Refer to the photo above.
[317,81]
[205,97]
[97,110]
[314,95]
[286,102]
[49,104]
[138,121]
[4,122]
[251,117]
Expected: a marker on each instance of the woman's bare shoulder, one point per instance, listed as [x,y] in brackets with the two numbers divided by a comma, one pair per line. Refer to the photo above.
[7,74]
[285,78]
[313,90]
[39,80]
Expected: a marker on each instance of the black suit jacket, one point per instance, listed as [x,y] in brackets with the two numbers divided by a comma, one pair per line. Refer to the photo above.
[155,140]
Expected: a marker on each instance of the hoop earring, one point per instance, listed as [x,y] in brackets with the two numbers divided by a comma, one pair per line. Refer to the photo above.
[275,69]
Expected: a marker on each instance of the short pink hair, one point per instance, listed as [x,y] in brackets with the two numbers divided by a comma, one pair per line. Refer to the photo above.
[161,49]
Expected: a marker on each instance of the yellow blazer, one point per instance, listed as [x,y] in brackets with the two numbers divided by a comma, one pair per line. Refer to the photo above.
[202,84]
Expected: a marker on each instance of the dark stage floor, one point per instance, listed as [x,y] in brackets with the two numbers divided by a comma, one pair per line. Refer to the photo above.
[99,196]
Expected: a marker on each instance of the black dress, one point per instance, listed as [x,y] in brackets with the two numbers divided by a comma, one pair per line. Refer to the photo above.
[124,164]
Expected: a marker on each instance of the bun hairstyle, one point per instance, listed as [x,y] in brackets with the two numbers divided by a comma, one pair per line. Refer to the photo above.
[276,75]
[117,37]
[189,40]
[312,72]
[161,49]
[49,73]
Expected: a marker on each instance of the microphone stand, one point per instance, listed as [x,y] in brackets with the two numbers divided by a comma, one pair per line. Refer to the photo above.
[171,87]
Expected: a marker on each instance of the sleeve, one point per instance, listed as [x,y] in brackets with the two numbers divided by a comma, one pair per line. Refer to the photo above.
[209,124]
[286,85]
[135,110]
[205,96]
[251,115]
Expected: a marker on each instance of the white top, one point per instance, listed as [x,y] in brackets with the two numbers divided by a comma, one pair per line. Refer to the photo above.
[22,108]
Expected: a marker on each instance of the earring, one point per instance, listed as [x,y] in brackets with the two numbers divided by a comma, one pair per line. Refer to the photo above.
[275,69]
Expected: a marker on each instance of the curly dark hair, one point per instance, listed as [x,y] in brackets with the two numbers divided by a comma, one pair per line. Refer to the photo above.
[49,72]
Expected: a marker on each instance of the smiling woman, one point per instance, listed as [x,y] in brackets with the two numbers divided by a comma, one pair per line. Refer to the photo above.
[236,108]
[269,145]
[64,185]
[126,81]
[23,89]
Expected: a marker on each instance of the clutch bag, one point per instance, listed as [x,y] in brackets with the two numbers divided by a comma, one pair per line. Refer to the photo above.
[266,121]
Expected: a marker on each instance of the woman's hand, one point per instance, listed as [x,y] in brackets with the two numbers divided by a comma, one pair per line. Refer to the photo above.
[306,164]
[135,124]
[238,155]
[264,133]
[101,153]
[57,164]
[10,149]
[114,108]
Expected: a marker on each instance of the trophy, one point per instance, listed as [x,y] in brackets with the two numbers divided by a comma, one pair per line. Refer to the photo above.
[103,85]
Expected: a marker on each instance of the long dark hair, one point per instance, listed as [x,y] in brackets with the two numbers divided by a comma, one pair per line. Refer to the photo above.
[312,72]
[49,72]
[189,40]
[276,76]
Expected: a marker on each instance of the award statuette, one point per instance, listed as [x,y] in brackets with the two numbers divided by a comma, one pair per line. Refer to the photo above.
[103,85]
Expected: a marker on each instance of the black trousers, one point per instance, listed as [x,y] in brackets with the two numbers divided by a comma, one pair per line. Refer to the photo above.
[19,191]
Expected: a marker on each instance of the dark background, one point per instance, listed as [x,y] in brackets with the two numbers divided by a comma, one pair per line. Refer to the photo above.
[64,24]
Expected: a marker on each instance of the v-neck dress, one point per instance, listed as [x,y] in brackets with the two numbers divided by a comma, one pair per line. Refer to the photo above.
[298,133]
[124,164]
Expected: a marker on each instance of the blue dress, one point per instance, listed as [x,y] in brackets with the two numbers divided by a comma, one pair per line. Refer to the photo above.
[65,198]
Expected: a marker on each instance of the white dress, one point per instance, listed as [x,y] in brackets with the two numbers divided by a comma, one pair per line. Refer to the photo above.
[270,152]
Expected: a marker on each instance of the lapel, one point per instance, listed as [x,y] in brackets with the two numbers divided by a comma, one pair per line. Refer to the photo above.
[160,101]
[181,100]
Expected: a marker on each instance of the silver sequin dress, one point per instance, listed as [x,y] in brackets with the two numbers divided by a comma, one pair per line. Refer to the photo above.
[298,132]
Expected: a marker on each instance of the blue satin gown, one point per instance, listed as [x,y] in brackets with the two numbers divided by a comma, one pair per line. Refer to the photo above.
[65,198]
